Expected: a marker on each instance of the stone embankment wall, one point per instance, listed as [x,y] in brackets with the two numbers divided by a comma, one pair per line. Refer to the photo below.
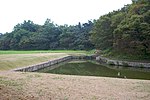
[36,67]
[91,57]
[122,63]
[49,63]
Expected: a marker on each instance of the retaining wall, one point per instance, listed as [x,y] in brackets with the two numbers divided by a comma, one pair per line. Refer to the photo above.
[36,67]
[90,57]
[122,63]
[49,63]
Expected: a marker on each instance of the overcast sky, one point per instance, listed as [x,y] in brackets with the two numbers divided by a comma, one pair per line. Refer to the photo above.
[61,12]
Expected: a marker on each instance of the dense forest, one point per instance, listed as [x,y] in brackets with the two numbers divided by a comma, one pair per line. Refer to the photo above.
[125,31]
[30,36]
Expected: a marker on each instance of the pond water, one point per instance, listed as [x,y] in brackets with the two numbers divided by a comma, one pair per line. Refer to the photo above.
[88,68]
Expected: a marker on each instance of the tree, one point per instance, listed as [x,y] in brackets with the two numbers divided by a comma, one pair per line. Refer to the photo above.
[27,25]
[5,41]
[132,34]
[126,31]
[102,35]
[30,36]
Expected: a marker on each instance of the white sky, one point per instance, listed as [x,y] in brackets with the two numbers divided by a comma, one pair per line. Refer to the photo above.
[61,12]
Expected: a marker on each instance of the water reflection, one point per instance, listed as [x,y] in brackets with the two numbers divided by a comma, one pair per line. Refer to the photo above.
[90,68]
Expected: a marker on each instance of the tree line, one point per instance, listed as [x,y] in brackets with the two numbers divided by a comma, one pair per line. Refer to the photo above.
[30,36]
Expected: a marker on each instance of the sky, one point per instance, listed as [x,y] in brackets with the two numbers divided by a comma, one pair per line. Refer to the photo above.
[60,12]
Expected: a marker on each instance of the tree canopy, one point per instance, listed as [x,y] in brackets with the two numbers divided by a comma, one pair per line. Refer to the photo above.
[126,30]
[30,36]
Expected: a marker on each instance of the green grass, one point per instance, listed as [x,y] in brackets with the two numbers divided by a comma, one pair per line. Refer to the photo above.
[42,51]
[124,56]
[13,59]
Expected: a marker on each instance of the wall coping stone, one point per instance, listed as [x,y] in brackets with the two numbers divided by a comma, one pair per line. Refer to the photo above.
[122,63]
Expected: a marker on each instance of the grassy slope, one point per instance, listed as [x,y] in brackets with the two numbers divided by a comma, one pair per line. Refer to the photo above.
[10,61]
[13,59]
[123,56]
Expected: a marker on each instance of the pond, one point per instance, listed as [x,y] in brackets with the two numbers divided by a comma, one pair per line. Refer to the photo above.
[89,68]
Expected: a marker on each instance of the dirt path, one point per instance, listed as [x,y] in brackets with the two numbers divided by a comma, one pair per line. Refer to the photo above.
[41,86]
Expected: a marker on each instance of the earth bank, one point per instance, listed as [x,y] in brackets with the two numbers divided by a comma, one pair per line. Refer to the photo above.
[41,86]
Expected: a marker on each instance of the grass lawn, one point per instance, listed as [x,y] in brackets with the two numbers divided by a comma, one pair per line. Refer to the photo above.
[11,61]
[14,59]
[44,51]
